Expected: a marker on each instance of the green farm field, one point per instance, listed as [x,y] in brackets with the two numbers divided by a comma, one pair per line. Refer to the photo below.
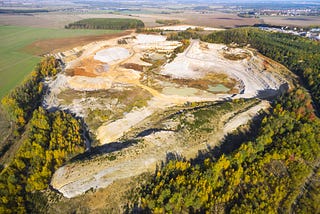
[16,61]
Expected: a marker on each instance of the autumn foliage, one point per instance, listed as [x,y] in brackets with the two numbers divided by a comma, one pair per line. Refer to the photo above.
[48,140]
[262,176]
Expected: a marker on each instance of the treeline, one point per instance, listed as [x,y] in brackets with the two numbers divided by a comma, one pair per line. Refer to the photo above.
[187,34]
[47,141]
[24,99]
[50,140]
[106,23]
[185,44]
[300,55]
[149,30]
[15,11]
[263,176]
[168,21]
[305,28]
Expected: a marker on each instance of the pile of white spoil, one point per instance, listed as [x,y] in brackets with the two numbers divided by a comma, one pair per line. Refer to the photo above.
[146,39]
[112,54]
[181,68]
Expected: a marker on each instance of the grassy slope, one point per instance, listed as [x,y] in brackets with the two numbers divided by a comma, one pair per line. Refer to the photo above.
[18,64]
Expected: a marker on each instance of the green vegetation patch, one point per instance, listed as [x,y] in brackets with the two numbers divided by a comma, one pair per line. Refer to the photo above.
[106,23]
[168,21]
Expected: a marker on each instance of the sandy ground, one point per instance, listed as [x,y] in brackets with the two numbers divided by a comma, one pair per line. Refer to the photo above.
[111,54]
[197,61]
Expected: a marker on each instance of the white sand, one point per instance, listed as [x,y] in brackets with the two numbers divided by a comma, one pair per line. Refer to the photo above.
[81,83]
[180,68]
[112,54]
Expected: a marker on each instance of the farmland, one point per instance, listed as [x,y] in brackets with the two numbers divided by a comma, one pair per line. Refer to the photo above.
[303,21]
[18,61]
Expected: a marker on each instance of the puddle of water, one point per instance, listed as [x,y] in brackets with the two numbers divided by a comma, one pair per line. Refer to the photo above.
[218,88]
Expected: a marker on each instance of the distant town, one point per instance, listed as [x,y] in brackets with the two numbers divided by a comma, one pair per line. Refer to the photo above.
[313,33]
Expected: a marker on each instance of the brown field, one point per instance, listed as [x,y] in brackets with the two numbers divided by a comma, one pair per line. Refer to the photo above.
[302,21]
[59,20]
[46,46]
[220,20]
[215,19]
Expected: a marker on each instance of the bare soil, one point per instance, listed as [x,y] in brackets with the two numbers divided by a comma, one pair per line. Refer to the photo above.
[47,46]
[303,21]
[133,66]
[214,19]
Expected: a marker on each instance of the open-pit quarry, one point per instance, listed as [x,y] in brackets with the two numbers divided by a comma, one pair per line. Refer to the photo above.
[142,104]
